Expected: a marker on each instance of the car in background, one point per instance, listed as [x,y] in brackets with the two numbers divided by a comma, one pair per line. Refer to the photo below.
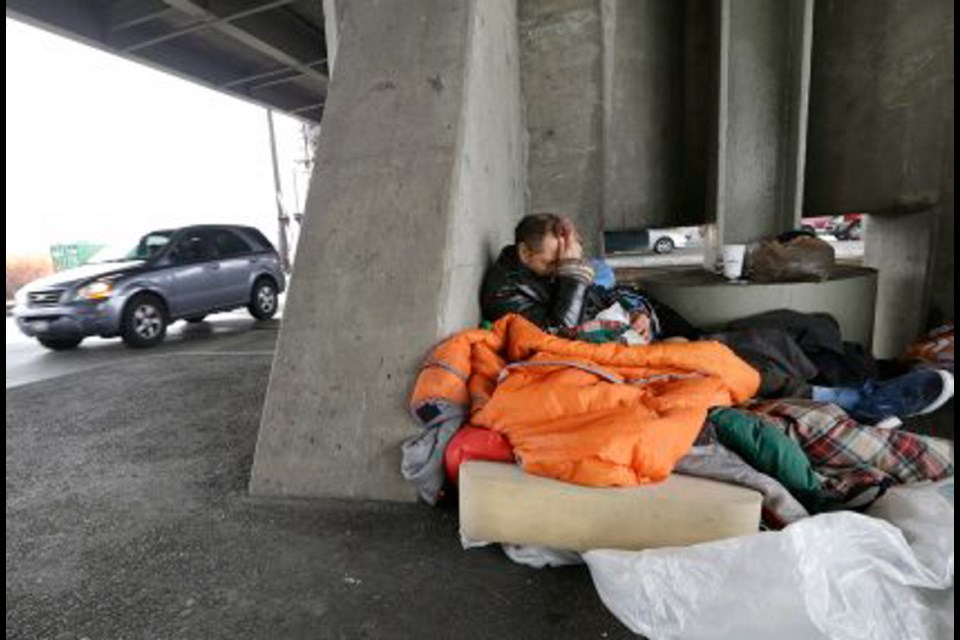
[817,224]
[666,240]
[847,226]
[136,290]
[659,240]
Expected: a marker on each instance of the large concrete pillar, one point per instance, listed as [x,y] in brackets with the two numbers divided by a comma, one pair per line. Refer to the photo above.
[763,87]
[418,181]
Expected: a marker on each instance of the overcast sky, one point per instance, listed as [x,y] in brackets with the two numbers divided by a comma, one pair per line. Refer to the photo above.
[99,148]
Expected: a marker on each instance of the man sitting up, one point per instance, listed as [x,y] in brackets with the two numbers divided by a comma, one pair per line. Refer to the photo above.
[544,277]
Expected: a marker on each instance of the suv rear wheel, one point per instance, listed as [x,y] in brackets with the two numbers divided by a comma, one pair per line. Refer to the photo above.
[144,322]
[263,299]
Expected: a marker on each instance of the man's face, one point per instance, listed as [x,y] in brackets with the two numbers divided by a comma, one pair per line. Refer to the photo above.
[543,262]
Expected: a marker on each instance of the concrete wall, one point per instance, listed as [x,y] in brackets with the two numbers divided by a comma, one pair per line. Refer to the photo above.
[490,175]
[619,97]
[881,138]
[561,58]
[881,103]
[416,125]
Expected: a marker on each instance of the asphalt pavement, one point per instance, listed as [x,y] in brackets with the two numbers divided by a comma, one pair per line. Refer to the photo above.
[27,361]
[128,517]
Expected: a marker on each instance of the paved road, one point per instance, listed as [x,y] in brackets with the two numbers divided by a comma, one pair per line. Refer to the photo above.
[237,332]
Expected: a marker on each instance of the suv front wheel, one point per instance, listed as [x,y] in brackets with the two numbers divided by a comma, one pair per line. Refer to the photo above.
[144,322]
[263,299]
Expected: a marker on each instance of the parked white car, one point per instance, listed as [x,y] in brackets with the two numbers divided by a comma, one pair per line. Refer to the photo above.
[662,240]
[666,240]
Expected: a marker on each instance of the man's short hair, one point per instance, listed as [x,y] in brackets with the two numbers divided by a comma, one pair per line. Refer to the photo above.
[532,229]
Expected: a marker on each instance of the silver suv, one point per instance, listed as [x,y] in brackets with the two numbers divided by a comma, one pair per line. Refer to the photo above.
[136,291]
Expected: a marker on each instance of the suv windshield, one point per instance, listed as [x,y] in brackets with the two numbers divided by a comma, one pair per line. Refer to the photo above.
[144,249]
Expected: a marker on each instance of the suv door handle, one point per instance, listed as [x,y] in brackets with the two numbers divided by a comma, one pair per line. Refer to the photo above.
[215,266]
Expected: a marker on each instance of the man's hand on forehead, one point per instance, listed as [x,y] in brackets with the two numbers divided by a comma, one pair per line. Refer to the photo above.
[566,229]
[570,246]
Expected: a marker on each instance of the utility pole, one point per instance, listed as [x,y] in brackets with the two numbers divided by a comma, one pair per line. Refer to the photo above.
[282,219]
[306,162]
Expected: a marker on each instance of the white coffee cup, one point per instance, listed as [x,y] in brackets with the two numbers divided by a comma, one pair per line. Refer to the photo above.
[733,255]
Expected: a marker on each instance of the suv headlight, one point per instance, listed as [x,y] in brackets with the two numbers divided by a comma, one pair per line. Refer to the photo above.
[96,290]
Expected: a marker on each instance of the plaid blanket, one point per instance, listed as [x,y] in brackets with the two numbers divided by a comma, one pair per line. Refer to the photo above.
[852,458]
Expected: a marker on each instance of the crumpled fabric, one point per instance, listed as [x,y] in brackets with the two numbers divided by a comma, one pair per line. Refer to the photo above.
[716,462]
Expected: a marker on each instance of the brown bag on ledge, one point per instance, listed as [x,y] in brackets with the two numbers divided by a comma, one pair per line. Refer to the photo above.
[802,258]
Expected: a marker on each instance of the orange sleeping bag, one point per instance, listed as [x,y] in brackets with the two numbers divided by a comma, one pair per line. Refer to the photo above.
[591,414]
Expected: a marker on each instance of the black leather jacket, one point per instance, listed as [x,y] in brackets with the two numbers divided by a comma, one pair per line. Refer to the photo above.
[511,287]
[560,302]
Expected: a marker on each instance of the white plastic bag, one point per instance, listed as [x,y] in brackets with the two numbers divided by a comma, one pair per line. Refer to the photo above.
[924,513]
[528,554]
[540,557]
[838,576]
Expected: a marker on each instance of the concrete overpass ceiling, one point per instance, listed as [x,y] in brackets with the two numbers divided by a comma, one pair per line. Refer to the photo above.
[272,52]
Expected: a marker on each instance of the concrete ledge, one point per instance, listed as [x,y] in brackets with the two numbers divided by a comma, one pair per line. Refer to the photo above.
[709,301]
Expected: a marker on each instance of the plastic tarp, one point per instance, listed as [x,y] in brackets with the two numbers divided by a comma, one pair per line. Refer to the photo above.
[838,575]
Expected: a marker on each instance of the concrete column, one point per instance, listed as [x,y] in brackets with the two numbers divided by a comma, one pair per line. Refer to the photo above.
[562,65]
[418,181]
[763,80]
[700,92]
[643,113]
